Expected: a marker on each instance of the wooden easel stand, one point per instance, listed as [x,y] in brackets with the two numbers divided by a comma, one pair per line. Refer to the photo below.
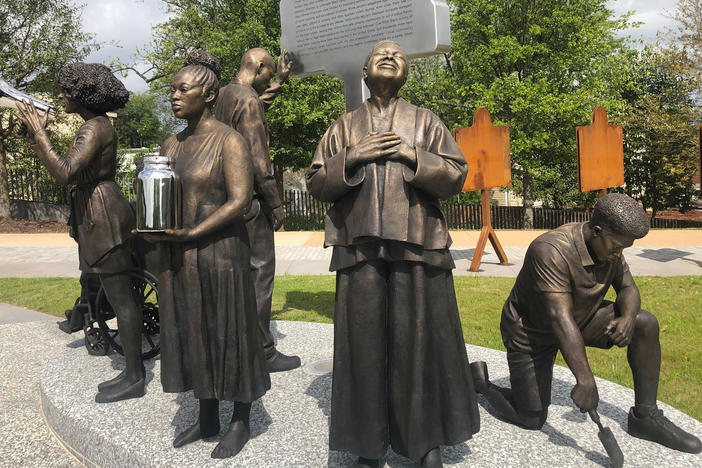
[487,232]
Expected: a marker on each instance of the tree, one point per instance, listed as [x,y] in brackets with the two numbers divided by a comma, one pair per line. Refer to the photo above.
[660,132]
[689,30]
[227,29]
[143,122]
[539,67]
[36,39]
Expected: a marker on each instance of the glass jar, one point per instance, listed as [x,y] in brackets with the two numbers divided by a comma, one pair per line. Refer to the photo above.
[156,207]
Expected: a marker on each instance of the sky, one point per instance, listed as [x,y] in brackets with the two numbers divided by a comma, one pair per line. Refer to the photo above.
[125,26]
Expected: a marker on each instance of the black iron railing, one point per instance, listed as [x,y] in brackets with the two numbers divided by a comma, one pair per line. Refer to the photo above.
[305,213]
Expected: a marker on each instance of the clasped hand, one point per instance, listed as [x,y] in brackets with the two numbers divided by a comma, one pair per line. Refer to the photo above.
[620,330]
[381,145]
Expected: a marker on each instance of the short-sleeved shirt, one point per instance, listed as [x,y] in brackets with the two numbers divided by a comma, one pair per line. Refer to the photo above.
[556,262]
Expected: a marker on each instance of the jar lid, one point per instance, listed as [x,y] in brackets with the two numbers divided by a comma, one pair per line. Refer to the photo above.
[156,159]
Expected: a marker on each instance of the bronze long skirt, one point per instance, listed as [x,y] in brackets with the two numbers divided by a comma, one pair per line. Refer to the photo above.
[401,373]
[209,336]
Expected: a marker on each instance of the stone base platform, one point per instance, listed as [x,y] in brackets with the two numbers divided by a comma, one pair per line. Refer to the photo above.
[290,423]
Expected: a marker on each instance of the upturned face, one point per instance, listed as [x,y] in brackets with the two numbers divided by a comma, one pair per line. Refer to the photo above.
[187,99]
[69,105]
[608,246]
[387,62]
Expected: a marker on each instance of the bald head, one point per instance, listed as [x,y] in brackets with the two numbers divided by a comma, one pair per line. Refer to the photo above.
[254,58]
[257,68]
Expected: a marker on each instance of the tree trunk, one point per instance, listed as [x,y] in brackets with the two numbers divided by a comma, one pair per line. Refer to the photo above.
[4,185]
[278,174]
[528,184]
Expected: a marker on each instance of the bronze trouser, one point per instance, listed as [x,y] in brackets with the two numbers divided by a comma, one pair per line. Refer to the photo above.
[118,288]
[260,230]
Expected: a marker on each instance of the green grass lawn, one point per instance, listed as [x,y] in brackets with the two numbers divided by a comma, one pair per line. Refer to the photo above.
[676,301]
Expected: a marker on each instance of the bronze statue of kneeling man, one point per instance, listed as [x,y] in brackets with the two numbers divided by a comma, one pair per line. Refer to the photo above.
[557,303]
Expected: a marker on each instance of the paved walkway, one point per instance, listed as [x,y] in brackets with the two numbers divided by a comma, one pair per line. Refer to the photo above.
[661,253]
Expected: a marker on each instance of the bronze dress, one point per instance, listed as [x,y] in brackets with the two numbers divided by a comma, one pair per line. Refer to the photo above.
[101,219]
[401,373]
[209,336]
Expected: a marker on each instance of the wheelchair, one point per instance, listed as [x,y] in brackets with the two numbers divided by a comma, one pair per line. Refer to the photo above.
[93,313]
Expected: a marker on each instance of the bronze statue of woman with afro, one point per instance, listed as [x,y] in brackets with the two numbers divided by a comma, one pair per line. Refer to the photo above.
[101,219]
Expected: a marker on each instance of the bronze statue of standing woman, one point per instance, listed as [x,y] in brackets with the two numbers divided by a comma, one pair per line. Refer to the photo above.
[101,219]
[209,332]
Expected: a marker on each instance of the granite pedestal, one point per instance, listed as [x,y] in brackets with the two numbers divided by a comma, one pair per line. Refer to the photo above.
[290,423]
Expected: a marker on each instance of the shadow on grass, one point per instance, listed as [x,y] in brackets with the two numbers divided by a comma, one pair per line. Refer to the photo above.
[313,306]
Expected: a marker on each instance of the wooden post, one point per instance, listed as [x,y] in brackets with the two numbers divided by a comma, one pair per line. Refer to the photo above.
[487,232]
[486,148]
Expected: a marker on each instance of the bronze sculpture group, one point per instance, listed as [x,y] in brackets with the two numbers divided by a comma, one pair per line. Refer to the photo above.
[401,375]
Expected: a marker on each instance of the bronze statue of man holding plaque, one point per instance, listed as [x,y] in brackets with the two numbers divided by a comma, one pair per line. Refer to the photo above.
[241,105]
[401,375]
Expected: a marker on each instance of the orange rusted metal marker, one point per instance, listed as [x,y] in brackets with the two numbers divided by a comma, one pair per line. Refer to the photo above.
[600,154]
[486,148]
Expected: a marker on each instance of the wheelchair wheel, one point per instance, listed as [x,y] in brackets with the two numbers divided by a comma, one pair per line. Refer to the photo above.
[95,342]
[146,297]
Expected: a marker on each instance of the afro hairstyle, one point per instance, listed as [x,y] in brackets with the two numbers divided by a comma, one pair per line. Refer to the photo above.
[93,86]
[622,214]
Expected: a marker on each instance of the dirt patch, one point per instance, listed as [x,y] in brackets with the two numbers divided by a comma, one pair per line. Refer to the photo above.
[690,215]
[21,226]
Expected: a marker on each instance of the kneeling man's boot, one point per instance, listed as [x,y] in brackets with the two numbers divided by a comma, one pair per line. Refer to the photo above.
[479,371]
[657,428]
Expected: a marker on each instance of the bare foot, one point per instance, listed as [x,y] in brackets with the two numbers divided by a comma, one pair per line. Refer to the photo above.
[193,434]
[432,459]
[233,441]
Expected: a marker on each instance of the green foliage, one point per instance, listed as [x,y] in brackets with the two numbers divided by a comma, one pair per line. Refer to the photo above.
[660,132]
[36,39]
[140,124]
[539,67]
[227,29]
[465,198]
[688,31]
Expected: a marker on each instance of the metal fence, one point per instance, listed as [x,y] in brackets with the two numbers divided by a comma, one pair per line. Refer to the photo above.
[305,213]
[35,185]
